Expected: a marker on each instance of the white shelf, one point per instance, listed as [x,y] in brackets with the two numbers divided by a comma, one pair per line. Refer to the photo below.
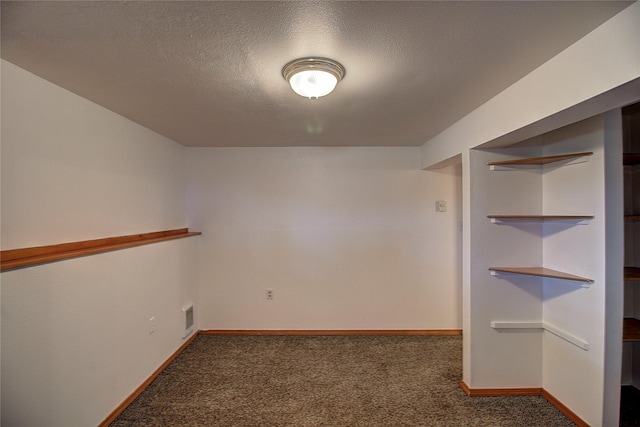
[579,342]
[540,272]
[538,160]
[578,219]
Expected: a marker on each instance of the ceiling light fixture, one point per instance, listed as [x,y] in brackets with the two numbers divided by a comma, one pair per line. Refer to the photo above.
[313,77]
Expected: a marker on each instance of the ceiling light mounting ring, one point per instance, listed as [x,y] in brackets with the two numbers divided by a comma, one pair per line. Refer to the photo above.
[313,77]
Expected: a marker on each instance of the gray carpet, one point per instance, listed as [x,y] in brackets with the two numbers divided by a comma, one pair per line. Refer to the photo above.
[325,381]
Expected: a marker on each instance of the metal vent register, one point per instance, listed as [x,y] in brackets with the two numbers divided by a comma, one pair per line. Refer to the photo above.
[188,319]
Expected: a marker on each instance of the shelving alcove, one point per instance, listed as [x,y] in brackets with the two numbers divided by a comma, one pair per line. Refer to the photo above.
[631,325]
[631,312]
[539,271]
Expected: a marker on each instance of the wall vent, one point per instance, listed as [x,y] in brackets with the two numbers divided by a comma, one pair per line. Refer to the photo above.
[188,319]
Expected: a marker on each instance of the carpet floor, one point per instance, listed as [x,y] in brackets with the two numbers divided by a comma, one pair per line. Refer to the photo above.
[325,381]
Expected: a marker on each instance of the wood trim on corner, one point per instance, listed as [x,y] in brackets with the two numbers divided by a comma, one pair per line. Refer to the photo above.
[332,332]
[565,410]
[26,257]
[525,391]
[114,414]
[465,388]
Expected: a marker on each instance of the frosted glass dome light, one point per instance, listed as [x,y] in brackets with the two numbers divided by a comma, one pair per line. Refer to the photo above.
[313,77]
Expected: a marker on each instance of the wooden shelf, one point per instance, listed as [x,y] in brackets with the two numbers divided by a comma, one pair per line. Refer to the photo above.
[632,273]
[25,257]
[632,217]
[631,159]
[541,272]
[541,217]
[540,160]
[631,330]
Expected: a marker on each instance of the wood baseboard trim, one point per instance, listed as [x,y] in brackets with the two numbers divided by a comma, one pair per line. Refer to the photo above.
[525,391]
[332,332]
[113,415]
[562,408]
[486,392]
[465,388]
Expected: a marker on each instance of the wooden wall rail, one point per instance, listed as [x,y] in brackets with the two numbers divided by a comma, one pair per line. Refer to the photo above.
[19,258]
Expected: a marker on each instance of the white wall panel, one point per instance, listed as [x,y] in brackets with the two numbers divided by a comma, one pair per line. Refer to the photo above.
[348,238]
[75,333]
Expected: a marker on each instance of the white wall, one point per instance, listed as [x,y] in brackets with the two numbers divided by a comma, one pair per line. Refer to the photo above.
[568,88]
[76,171]
[75,340]
[614,275]
[573,375]
[501,358]
[348,238]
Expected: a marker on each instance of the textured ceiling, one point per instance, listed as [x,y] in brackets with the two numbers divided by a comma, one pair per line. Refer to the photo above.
[208,73]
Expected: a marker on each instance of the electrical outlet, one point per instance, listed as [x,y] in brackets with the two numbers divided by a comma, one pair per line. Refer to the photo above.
[152,325]
[269,293]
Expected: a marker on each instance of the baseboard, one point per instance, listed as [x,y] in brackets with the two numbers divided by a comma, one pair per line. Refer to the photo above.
[562,408]
[525,391]
[113,415]
[520,391]
[333,332]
